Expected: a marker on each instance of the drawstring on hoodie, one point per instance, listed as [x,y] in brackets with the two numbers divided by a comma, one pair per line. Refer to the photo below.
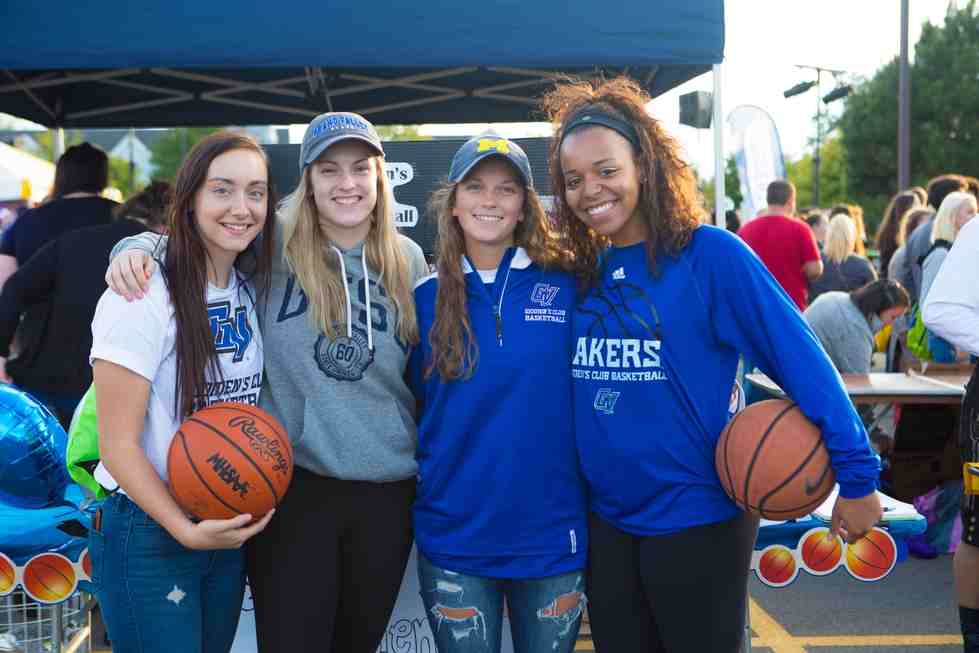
[367,296]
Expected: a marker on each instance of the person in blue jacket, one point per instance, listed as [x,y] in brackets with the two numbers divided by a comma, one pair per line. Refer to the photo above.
[500,509]
[667,307]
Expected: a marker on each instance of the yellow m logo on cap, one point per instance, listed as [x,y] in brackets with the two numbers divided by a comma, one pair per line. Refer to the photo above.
[500,145]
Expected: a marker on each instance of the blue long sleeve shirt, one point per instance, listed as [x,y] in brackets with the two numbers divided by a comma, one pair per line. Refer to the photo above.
[654,362]
[500,490]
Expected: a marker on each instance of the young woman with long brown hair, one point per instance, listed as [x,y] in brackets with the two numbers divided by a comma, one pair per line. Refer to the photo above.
[164,582]
[667,305]
[339,323]
[500,512]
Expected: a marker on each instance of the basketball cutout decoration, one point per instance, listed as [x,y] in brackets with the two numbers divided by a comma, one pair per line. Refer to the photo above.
[229,459]
[8,575]
[771,461]
[821,555]
[872,556]
[49,578]
[777,567]
[86,561]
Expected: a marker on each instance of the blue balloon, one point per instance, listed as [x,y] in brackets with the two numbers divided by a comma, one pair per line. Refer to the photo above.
[32,452]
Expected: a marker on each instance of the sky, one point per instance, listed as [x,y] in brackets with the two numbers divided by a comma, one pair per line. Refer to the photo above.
[764,40]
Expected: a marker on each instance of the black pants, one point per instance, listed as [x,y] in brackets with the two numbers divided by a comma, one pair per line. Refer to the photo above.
[674,593]
[326,571]
[969,448]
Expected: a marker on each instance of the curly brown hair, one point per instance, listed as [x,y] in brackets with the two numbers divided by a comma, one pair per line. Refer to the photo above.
[454,349]
[669,201]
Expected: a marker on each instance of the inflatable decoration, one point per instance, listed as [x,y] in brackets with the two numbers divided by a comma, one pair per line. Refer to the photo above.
[32,452]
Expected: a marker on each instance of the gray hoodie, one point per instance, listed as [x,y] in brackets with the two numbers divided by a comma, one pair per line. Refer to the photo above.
[344,402]
[843,331]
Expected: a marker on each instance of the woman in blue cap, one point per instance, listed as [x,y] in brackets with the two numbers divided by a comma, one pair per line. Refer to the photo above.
[667,305]
[500,512]
[339,323]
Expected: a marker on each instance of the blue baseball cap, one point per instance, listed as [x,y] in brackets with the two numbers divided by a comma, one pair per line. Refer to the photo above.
[330,128]
[487,144]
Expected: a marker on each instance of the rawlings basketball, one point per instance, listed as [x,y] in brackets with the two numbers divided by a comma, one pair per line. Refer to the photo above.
[229,459]
[772,461]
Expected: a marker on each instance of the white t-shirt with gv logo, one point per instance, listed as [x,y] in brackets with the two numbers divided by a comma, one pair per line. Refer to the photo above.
[141,336]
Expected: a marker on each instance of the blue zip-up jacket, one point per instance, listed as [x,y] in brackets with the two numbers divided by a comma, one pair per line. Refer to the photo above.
[500,490]
[654,361]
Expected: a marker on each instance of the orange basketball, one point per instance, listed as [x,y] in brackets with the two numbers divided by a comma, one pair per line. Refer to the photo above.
[8,574]
[819,554]
[49,578]
[772,461]
[229,459]
[777,565]
[872,556]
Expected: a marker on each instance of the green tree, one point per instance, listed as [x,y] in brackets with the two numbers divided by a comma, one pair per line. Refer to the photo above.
[832,175]
[119,177]
[168,152]
[944,105]
[46,141]
[732,186]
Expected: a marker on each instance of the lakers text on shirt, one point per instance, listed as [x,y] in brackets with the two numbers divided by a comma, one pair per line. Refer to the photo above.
[610,355]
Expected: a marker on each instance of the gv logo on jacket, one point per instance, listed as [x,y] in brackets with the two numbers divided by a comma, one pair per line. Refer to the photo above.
[544,294]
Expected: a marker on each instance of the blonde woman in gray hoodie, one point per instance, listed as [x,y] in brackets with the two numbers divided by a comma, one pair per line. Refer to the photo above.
[339,323]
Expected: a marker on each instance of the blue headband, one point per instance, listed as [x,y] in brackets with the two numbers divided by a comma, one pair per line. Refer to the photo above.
[597,117]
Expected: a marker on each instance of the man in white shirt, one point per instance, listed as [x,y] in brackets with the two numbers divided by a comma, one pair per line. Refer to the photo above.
[951,311]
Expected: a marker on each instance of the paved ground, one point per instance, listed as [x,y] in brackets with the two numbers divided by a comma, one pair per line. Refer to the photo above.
[913,610]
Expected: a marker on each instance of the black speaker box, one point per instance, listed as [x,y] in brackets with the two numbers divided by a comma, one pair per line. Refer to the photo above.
[696,109]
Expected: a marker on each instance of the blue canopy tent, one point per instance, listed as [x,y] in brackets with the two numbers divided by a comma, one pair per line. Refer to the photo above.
[242,62]
[219,62]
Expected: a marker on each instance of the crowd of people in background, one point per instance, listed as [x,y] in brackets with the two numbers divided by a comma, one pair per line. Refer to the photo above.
[914,300]
[916,231]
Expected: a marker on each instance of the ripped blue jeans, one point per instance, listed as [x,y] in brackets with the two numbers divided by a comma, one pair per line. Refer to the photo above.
[156,595]
[466,612]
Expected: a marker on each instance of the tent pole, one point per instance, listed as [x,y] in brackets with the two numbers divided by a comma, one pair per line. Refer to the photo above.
[58,142]
[718,121]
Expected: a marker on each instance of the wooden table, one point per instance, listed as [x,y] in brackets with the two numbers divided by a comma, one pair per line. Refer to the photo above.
[886,387]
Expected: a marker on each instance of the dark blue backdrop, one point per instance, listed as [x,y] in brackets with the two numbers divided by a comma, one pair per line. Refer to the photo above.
[220,62]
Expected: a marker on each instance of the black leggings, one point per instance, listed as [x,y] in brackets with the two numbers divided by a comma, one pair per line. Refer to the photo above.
[969,448]
[675,593]
[326,571]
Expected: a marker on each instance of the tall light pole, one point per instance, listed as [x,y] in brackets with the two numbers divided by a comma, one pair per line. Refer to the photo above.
[837,93]
[904,107]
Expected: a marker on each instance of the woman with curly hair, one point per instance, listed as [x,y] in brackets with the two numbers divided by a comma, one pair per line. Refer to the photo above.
[666,306]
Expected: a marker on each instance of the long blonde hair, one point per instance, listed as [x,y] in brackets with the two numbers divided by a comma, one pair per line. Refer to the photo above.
[944,227]
[454,349]
[306,251]
[841,238]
